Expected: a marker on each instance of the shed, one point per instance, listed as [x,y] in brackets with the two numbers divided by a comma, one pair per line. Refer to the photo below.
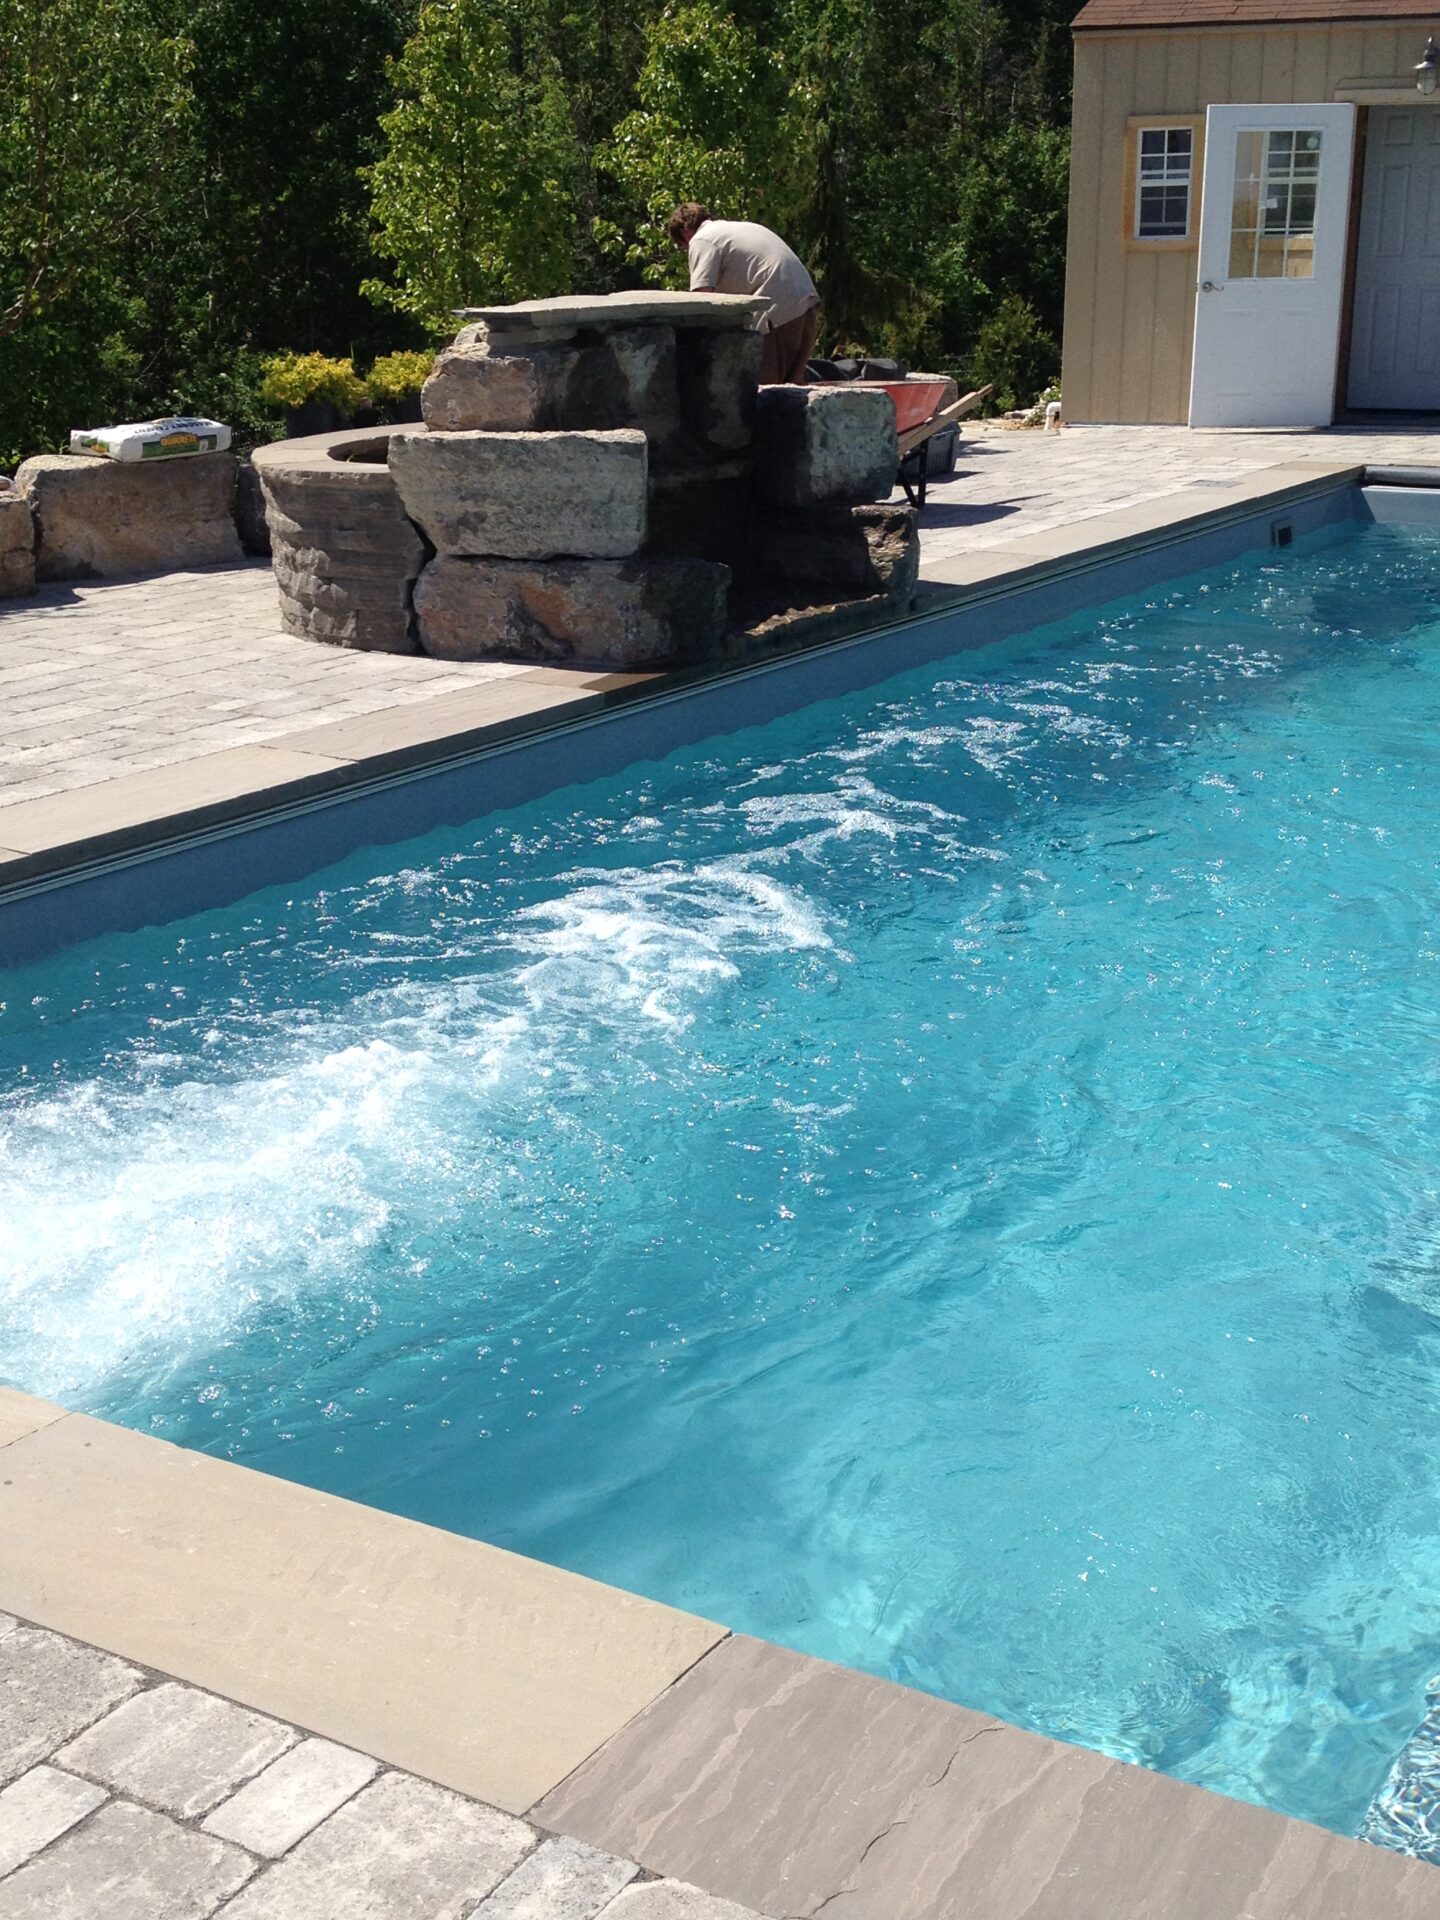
[1254,212]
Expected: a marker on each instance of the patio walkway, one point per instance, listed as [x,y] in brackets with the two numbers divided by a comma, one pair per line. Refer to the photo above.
[99,681]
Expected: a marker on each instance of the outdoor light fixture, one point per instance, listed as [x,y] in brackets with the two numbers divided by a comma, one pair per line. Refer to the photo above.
[1427,69]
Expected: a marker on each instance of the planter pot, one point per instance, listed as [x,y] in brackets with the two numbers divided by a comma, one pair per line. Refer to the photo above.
[314,416]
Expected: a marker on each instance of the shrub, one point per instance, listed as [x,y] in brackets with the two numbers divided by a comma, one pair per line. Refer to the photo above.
[290,379]
[1015,354]
[398,375]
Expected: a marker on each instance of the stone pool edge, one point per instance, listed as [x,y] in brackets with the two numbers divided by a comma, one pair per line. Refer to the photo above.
[47,839]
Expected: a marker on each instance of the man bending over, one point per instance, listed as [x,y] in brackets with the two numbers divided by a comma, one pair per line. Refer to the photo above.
[737,256]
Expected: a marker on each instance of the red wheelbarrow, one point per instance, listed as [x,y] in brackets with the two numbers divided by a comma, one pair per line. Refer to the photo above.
[919,416]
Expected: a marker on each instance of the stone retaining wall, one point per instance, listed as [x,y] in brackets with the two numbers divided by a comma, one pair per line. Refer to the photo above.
[100,519]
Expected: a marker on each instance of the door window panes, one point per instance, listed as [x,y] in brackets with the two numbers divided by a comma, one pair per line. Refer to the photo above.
[1272,223]
[1163,176]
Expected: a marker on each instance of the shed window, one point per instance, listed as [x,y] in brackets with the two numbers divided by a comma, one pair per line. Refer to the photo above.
[1163,183]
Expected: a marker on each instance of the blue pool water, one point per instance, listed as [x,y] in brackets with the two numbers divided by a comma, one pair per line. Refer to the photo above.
[946,1180]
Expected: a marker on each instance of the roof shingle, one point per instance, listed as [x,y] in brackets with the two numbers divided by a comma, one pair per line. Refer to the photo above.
[1255,13]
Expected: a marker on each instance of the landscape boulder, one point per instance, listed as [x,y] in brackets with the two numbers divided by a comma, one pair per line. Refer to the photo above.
[525,496]
[815,445]
[97,519]
[344,552]
[719,378]
[17,547]
[471,388]
[855,550]
[629,613]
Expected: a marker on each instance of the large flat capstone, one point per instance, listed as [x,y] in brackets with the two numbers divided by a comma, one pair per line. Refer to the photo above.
[98,519]
[525,496]
[560,319]
[821,444]
[632,613]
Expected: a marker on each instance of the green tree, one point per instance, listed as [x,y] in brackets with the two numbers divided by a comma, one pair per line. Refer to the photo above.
[474,198]
[720,120]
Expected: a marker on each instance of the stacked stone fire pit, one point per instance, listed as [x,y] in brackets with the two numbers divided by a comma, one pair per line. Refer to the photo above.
[598,481]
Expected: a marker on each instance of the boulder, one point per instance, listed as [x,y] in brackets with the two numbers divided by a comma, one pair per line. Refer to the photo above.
[524,496]
[17,547]
[629,613]
[719,375]
[854,550]
[344,552]
[96,519]
[470,387]
[820,444]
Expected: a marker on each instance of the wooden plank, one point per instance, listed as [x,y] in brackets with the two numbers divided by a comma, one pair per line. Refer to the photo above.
[957,410]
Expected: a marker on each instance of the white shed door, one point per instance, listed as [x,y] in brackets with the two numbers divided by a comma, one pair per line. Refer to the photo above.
[1273,215]
[1395,342]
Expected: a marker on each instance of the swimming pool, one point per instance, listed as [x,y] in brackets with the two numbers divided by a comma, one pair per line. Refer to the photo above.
[943,1180]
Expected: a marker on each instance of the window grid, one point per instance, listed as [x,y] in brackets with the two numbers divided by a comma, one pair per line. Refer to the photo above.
[1166,158]
[1272,229]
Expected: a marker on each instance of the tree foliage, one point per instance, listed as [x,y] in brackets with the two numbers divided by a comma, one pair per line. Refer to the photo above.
[474,194]
[190,187]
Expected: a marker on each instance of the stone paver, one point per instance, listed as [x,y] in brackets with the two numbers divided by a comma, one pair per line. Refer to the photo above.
[126,1864]
[402,1850]
[50,1689]
[292,1796]
[562,1880]
[37,1808]
[177,1748]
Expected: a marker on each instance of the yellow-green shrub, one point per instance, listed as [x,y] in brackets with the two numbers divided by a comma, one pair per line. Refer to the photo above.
[290,379]
[398,375]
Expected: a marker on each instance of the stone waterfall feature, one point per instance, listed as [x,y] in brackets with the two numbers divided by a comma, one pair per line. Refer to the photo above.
[597,481]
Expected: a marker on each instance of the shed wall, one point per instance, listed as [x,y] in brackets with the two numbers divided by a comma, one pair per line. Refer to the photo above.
[1129,307]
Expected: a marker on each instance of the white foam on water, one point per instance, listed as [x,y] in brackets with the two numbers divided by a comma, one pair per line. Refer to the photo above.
[151,1212]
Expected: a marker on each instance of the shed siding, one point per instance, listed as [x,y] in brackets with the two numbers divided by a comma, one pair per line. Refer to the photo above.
[1130,311]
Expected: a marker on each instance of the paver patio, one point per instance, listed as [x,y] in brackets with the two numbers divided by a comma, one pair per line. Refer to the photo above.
[102,680]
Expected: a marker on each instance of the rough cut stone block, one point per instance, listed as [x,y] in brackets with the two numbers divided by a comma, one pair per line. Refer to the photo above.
[854,550]
[402,1850]
[49,1689]
[98,519]
[719,377]
[819,444]
[37,1808]
[562,1880]
[471,388]
[177,1748]
[302,1788]
[343,549]
[674,1900]
[17,546]
[638,613]
[126,1864]
[524,496]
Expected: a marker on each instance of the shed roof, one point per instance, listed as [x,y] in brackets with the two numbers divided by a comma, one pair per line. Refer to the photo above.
[1252,13]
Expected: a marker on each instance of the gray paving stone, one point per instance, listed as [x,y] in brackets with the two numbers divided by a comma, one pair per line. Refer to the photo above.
[177,1748]
[292,1796]
[401,1850]
[562,1880]
[37,1808]
[126,1864]
[8,1624]
[675,1900]
[49,1689]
